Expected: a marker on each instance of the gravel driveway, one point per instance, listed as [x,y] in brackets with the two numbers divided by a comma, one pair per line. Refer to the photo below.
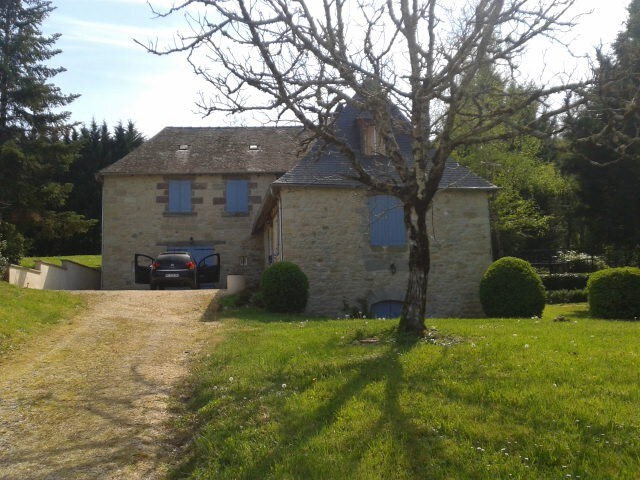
[90,399]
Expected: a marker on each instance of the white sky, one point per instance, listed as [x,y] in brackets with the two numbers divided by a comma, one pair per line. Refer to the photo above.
[118,80]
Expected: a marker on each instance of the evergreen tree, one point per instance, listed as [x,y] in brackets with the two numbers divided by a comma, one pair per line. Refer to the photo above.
[33,155]
[97,148]
[607,164]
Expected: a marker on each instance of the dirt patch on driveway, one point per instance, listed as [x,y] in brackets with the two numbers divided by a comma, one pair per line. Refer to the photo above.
[91,398]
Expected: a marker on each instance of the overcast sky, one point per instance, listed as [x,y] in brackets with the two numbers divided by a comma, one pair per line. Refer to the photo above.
[118,80]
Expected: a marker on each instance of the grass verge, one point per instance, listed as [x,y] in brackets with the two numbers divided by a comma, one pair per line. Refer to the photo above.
[24,312]
[93,261]
[284,397]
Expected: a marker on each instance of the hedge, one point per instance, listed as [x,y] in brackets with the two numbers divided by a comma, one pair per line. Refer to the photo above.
[565,281]
[566,296]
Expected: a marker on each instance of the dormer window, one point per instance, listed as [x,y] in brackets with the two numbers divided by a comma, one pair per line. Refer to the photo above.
[372,141]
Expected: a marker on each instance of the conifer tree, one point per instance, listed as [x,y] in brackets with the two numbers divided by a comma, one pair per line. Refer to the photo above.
[33,125]
[605,156]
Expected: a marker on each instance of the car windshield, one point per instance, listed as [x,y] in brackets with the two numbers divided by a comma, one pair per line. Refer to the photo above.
[175,261]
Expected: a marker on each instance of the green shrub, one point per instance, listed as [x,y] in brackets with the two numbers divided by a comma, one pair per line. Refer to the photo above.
[511,288]
[284,287]
[257,299]
[566,296]
[615,293]
[565,281]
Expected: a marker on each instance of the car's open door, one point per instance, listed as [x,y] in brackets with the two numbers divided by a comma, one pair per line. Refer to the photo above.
[209,269]
[142,268]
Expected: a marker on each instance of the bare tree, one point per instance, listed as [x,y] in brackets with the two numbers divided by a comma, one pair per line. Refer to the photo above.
[300,59]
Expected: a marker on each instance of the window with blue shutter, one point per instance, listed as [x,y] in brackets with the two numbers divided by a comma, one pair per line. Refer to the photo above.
[386,309]
[386,221]
[237,196]
[179,196]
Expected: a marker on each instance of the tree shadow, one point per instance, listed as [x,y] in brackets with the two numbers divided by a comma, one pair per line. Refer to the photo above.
[298,429]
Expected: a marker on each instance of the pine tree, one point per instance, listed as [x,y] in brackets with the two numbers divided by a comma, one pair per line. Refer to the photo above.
[33,155]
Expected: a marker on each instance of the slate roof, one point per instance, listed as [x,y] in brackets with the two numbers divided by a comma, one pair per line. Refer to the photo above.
[329,167]
[213,150]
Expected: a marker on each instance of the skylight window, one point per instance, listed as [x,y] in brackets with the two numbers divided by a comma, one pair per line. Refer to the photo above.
[183,147]
[254,146]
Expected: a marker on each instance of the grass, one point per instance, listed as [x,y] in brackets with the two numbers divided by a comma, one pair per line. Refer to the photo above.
[287,398]
[25,312]
[93,261]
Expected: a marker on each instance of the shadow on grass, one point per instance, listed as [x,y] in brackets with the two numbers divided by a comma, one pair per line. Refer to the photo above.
[299,429]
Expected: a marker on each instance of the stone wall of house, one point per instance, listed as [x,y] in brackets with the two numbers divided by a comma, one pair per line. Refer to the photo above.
[326,232]
[136,220]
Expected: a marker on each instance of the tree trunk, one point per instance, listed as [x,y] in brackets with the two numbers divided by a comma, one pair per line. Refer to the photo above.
[415,300]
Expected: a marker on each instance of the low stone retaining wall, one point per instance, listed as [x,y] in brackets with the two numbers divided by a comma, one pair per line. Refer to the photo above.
[47,276]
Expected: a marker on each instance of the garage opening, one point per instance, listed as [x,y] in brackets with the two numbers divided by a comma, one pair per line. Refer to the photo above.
[198,253]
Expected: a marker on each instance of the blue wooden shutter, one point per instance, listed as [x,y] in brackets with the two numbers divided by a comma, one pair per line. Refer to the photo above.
[179,196]
[237,196]
[386,219]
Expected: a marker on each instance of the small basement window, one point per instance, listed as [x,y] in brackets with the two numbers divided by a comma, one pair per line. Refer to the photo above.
[386,309]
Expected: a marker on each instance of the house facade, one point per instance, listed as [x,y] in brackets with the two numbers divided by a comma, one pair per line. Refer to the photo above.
[192,189]
[352,243]
[254,198]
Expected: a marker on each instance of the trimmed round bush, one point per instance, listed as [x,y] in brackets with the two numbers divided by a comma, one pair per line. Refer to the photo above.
[284,287]
[615,293]
[511,288]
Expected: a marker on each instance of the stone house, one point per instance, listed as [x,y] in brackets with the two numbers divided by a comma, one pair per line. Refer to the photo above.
[193,189]
[250,194]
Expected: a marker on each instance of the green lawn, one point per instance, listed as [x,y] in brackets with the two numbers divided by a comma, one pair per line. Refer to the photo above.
[93,261]
[285,398]
[24,312]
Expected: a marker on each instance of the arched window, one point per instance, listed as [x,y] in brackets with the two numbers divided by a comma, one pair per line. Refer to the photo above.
[386,309]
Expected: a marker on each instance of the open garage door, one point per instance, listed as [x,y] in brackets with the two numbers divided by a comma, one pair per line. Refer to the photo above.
[208,262]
